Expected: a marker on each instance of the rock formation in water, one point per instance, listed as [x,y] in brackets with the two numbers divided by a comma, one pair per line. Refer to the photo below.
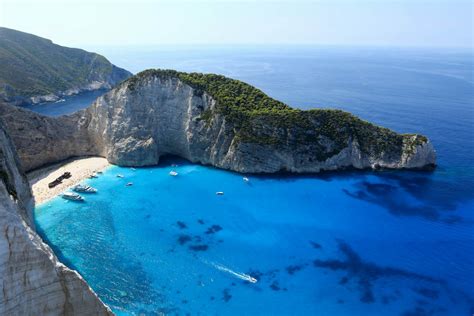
[212,120]
[36,70]
[32,279]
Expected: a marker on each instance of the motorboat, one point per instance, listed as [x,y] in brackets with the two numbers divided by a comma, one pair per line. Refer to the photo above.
[93,175]
[71,196]
[173,173]
[119,176]
[246,179]
[129,184]
[220,193]
[84,189]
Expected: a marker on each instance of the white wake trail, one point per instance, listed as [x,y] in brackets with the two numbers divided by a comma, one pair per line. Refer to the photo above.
[239,275]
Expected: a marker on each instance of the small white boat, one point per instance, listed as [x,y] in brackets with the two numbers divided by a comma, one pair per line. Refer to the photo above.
[173,173]
[119,176]
[84,189]
[246,179]
[219,193]
[133,169]
[129,184]
[71,196]
[93,175]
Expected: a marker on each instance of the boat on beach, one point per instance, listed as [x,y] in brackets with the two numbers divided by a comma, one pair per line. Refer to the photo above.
[71,196]
[84,189]
[93,175]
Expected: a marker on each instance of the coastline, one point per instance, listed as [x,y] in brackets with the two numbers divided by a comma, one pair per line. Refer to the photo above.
[80,169]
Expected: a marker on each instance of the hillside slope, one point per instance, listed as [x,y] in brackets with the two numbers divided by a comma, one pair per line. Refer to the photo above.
[34,69]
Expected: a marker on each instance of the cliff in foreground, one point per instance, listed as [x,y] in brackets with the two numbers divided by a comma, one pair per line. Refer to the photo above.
[213,120]
[32,280]
[35,70]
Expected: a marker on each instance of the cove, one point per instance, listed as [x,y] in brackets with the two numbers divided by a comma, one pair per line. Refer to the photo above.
[321,245]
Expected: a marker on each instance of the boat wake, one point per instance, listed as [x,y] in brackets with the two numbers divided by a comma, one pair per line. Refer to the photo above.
[239,275]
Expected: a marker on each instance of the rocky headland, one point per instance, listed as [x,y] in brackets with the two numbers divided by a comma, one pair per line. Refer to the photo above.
[212,120]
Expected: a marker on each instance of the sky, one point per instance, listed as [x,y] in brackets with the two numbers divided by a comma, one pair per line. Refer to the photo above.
[443,23]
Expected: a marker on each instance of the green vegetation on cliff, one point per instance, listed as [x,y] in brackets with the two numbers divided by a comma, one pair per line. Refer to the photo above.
[257,118]
[34,66]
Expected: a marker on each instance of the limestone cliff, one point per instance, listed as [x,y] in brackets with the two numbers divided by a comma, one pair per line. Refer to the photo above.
[33,281]
[42,140]
[213,120]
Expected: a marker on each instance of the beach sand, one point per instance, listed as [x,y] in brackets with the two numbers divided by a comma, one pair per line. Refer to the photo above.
[80,169]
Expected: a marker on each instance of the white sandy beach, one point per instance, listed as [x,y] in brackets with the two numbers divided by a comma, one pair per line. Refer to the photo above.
[80,169]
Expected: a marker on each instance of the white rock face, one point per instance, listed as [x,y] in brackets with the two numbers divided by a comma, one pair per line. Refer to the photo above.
[42,140]
[160,116]
[33,281]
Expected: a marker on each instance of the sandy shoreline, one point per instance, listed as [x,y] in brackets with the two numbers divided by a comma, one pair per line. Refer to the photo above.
[80,170]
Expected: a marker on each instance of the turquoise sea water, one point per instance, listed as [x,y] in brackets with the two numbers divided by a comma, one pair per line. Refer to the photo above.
[358,243]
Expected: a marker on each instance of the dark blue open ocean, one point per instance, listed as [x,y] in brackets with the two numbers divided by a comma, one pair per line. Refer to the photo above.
[353,243]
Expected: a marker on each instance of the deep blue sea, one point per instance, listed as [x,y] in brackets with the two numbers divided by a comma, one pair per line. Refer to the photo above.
[352,243]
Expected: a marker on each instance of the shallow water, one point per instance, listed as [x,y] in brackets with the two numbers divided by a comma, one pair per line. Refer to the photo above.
[333,244]
[325,245]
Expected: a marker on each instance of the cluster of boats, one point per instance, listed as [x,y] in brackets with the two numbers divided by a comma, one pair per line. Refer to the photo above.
[80,188]
[73,196]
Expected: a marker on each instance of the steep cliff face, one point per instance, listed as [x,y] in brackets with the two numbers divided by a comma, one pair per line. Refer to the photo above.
[33,281]
[165,112]
[36,70]
[43,140]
